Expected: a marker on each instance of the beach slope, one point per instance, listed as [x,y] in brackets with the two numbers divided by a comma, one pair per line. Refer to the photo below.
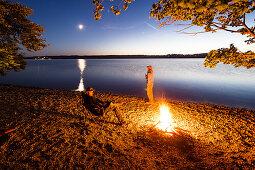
[54,130]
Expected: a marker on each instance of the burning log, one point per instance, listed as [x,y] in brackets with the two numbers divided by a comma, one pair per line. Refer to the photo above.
[166,122]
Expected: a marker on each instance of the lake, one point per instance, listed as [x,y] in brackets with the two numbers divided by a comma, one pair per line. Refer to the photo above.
[178,79]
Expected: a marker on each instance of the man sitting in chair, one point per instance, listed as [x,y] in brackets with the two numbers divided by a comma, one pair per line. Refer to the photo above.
[98,107]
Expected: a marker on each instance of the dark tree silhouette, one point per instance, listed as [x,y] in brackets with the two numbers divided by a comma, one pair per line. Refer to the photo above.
[17,32]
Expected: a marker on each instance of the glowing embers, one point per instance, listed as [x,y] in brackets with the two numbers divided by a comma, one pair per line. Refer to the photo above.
[165,122]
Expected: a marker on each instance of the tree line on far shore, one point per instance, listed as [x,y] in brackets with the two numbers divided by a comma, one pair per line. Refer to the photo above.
[201,55]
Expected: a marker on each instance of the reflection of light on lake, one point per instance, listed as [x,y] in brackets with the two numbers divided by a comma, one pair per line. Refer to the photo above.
[177,79]
[81,85]
[82,65]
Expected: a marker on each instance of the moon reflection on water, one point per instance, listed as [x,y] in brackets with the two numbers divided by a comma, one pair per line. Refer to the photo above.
[82,65]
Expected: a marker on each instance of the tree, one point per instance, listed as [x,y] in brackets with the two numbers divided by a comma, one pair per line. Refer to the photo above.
[211,15]
[17,31]
[115,9]
[230,56]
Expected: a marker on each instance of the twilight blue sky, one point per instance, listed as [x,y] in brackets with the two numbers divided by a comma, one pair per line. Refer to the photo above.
[132,32]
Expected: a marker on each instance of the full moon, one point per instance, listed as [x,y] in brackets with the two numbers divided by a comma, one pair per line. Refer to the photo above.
[80,26]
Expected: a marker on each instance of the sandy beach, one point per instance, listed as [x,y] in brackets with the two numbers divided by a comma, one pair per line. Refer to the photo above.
[54,130]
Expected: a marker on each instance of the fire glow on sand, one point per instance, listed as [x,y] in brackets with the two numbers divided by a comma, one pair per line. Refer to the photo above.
[165,122]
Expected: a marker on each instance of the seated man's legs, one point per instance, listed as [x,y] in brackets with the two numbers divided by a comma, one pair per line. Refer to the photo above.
[117,111]
[107,108]
[118,114]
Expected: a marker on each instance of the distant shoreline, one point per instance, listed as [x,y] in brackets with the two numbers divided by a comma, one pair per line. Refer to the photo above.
[202,55]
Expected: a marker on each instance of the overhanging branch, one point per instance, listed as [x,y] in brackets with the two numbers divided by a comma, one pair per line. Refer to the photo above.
[225,29]
[247,28]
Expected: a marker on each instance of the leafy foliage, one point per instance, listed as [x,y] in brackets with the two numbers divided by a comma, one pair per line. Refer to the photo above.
[230,56]
[115,8]
[11,60]
[212,15]
[16,30]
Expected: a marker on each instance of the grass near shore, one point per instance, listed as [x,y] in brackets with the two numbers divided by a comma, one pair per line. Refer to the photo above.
[54,130]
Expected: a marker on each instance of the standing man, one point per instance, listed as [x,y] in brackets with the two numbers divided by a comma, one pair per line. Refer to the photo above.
[149,81]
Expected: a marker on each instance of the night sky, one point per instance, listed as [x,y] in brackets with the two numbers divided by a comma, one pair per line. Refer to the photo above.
[132,32]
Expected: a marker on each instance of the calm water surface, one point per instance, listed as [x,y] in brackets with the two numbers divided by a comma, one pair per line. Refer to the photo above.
[179,79]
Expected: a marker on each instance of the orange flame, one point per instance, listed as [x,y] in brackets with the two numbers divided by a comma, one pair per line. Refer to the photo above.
[165,122]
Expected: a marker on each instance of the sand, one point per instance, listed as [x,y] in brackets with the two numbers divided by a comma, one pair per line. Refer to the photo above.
[54,130]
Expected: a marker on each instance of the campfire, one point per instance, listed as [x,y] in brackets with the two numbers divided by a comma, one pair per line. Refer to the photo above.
[165,122]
